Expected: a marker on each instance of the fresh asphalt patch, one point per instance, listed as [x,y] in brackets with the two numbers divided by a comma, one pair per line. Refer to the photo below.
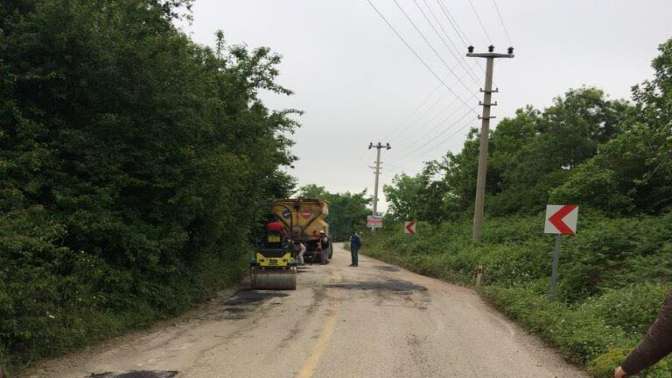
[387,268]
[391,285]
[246,297]
[137,374]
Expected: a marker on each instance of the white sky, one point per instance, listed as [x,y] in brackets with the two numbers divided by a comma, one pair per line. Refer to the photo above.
[358,83]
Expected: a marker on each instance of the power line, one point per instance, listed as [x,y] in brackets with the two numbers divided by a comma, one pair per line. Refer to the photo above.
[433,140]
[443,40]
[428,121]
[417,55]
[438,55]
[429,112]
[452,22]
[411,114]
[480,22]
[501,20]
[416,110]
[414,141]
[456,26]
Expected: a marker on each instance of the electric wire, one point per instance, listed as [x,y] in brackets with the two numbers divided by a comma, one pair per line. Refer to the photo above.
[429,44]
[423,121]
[404,130]
[456,27]
[431,143]
[443,40]
[453,23]
[501,20]
[480,22]
[422,153]
[412,114]
[434,139]
[427,66]
[455,45]
[421,138]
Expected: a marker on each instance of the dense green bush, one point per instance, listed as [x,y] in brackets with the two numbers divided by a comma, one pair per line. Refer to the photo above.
[126,151]
[613,277]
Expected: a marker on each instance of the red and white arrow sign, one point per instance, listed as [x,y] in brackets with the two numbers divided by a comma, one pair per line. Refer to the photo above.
[561,219]
[409,227]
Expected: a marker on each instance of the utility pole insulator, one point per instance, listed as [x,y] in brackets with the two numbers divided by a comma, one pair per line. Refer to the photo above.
[487,103]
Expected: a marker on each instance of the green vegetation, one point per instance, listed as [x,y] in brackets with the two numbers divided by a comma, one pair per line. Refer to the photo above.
[613,277]
[125,153]
[610,157]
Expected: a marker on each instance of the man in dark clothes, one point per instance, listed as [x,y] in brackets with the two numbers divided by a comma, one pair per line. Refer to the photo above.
[355,243]
[656,344]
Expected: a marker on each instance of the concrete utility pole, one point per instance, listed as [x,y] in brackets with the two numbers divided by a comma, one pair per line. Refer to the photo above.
[376,170]
[485,129]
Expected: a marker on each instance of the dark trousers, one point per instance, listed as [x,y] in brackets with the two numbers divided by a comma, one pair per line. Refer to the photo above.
[354,253]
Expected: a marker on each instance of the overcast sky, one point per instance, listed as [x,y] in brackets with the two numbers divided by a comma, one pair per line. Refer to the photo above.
[358,83]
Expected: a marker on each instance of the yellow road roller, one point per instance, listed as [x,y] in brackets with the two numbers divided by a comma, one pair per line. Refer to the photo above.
[273,267]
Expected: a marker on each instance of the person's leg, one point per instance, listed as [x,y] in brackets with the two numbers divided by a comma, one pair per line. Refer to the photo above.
[352,256]
[355,260]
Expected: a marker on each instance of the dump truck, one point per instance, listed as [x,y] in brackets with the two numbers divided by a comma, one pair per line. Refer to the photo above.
[304,218]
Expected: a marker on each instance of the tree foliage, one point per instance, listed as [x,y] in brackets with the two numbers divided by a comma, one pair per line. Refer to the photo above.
[125,151]
[609,155]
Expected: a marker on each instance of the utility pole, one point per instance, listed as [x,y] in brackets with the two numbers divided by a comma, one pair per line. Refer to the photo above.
[485,129]
[376,171]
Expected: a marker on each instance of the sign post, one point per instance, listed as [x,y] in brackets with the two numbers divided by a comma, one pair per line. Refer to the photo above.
[409,227]
[374,221]
[556,261]
[560,220]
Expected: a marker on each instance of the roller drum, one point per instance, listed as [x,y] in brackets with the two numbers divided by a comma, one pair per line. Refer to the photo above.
[274,279]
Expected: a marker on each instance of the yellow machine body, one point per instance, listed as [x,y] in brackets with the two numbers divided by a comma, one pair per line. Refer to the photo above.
[266,261]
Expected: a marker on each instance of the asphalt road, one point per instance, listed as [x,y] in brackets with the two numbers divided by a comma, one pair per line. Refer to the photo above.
[376,320]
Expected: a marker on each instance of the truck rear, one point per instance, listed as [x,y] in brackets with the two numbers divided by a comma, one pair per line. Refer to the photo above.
[305,218]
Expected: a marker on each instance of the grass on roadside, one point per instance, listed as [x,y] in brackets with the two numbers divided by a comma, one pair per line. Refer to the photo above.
[613,278]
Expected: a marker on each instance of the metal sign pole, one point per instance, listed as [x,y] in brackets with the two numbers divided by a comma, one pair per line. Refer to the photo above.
[556,258]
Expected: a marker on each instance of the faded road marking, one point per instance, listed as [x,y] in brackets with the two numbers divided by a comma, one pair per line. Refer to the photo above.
[310,365]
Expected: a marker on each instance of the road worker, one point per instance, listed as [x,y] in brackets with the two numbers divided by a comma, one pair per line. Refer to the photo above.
[355,244]
[300,249]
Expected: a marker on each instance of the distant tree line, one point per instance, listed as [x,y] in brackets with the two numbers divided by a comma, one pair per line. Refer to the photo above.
[134,164]
[608,155]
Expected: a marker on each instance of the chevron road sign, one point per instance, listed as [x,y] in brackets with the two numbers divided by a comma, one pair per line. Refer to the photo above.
[561,219]
[409,227]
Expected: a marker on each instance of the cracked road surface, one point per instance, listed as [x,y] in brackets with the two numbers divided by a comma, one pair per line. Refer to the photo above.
[376,320]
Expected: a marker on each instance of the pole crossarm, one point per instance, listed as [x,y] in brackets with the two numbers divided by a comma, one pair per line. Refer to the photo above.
[489,55]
